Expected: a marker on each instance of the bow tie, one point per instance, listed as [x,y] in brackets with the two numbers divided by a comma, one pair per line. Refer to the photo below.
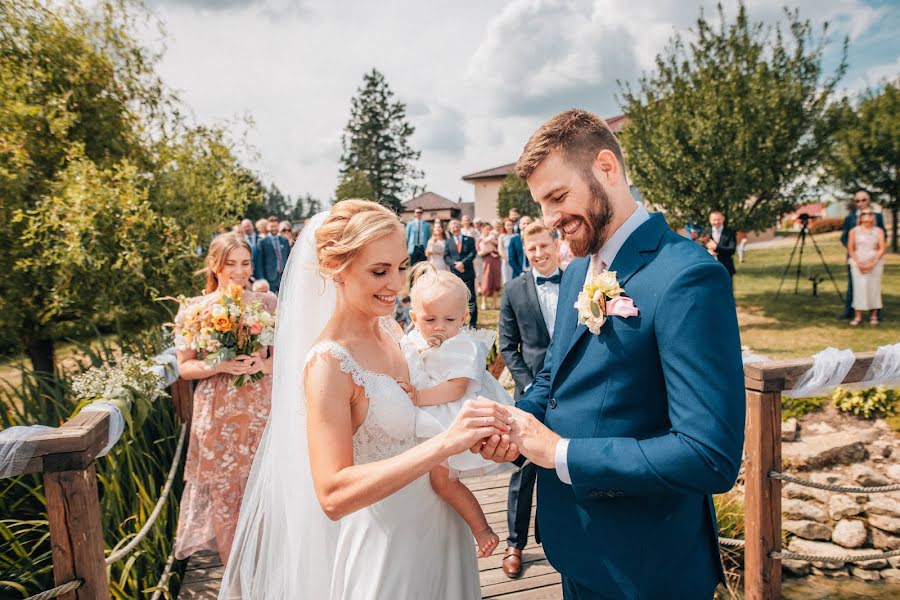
[555,278]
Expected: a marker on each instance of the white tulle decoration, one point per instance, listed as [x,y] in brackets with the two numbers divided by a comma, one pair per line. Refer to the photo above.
[885,368]
[829,368]
[17,448]
[116,423]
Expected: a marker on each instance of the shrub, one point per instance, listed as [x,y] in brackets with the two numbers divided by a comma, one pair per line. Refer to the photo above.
[868,403]
[826,224]
[799,407]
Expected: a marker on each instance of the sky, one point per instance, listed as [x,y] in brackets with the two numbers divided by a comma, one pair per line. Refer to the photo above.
[477,76]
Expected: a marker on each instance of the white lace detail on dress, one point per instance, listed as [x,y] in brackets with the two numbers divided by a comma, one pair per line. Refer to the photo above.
[388,428]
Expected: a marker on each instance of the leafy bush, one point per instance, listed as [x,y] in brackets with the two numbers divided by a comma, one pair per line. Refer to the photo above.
[825,224]
[799,407]
[868,403]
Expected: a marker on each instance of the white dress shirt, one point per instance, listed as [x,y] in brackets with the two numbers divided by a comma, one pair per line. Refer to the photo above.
[548,297]
[599,263]
[717,234]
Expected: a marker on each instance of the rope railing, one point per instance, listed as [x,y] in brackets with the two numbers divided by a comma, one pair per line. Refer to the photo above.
[164,578]
[849,489]
[58,590]
[784,554]
[157,510]
[733,542]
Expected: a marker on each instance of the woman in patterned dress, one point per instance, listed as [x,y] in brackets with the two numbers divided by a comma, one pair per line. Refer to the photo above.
[227,422]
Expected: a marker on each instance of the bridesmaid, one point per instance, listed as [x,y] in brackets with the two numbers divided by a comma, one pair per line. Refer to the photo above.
[435,248]
[488,250]
[227,422]
[508,232]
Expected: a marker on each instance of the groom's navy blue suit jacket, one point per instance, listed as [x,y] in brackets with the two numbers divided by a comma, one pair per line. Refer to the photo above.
[654,408]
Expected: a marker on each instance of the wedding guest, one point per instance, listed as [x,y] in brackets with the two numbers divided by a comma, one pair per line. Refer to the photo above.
[436,246]
[459,254]
[518,262]
[468,228]
[272,255]
[286,230]
[227,421]
[862,201]
[721,241]
[513,215]
[865,244]
[527,314]
[418,232]
[260,286]
[488,250]
[473,232]
[262,229]
[505,237]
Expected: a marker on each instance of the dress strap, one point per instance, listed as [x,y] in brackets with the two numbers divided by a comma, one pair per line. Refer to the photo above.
[348,363]
[390,326]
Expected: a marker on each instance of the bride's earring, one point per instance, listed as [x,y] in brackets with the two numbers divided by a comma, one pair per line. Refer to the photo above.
[336,278]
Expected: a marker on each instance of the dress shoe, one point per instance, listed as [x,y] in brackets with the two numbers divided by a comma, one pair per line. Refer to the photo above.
[512,563]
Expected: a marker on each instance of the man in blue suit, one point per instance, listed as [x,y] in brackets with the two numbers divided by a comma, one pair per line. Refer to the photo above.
[632,428]
[418,232]
[272,254]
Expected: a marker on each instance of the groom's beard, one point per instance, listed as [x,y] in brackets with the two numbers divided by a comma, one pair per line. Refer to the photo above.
[595,222]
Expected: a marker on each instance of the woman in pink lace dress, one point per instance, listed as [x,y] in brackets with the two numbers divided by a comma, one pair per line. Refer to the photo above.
[227,422]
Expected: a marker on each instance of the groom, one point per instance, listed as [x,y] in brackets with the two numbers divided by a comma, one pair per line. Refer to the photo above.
[632,428]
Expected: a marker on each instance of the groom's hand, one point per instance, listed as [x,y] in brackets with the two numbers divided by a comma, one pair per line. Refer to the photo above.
[533,438]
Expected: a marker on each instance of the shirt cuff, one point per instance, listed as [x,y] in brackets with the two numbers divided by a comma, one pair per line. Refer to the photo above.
[527,387]
[562,461]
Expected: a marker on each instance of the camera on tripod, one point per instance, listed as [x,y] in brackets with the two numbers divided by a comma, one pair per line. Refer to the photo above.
[801,243]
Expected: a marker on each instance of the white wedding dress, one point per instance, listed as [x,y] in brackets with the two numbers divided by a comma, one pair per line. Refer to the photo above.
[411,545]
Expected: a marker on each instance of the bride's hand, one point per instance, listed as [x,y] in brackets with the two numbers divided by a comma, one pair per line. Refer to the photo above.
[477,420]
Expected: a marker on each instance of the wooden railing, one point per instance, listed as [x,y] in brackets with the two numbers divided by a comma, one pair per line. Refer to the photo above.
[764,383]
[65,456]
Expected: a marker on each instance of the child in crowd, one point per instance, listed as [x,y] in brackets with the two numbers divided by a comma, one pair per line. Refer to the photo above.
[447,367]
[260,286]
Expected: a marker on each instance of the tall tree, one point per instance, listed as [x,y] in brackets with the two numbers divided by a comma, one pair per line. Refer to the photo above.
[104,191]
[355,184]
[514,193]
[865,152]
[731,121]
[376,142]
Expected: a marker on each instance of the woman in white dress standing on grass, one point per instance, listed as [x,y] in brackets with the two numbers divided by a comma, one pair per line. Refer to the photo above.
[435,248]
[866,248]
[339,505]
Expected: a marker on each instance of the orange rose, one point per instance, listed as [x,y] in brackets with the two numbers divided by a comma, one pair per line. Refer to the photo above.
[256,328]
[222,324]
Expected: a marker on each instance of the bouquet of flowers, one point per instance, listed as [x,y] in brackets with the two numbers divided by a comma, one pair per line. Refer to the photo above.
[224,328]
[130,386]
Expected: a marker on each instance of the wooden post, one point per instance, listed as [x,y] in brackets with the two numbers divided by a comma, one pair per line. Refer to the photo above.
[183,398]
[76,532]
[762,573]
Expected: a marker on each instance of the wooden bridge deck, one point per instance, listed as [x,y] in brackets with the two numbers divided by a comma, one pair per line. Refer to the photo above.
[539,580]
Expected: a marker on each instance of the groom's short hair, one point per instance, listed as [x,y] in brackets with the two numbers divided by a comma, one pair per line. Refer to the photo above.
[580,135]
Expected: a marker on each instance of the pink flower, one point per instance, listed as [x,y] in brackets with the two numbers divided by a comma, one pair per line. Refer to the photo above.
[256,328]
[620,306]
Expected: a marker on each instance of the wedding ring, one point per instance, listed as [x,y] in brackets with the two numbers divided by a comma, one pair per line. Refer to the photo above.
[487,421]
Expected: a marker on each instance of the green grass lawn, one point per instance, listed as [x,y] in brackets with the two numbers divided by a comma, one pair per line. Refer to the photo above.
[800,325]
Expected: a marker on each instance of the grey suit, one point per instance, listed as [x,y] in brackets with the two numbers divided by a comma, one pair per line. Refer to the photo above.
[523,343]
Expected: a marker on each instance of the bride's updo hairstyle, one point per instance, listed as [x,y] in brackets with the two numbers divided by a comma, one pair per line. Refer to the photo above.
[351,225]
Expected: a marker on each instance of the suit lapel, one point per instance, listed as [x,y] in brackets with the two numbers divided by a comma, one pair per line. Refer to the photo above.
[579,273]
[535,304]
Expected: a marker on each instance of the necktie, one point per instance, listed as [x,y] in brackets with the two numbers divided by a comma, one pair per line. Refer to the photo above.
[418,232]
[459,245]
[555,278]
[277,252]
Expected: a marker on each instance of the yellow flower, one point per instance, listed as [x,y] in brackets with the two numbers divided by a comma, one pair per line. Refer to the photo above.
[606,282]
[222,324]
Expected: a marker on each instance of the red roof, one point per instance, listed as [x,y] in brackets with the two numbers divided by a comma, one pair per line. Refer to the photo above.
[814,210]
[429,201]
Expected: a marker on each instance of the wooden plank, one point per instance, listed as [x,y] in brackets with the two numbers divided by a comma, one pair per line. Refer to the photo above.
[182,392]
[517,585]
[783,374]
[76,533]
[762,574]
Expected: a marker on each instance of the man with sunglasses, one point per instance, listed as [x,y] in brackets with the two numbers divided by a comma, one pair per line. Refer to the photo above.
[862,201]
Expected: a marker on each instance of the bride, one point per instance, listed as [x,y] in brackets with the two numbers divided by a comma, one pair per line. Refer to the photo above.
[338,504]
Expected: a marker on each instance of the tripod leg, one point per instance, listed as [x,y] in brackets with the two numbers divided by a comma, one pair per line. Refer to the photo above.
[787,268]
[802,240]
[827,270]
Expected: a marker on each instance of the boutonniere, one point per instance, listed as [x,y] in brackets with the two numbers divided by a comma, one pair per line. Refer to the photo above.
[600,298]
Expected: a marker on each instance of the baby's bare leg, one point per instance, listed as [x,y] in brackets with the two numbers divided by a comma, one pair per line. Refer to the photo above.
[464,502]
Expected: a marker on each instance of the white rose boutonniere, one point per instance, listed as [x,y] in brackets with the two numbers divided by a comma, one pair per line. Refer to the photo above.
[601,298]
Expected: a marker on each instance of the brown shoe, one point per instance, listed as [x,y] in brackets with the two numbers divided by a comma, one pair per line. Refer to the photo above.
[512,563]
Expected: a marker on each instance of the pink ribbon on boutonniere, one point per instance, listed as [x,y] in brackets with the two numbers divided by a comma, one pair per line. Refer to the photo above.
[621,306]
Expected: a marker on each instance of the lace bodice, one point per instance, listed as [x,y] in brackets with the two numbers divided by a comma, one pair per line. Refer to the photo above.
[389,426]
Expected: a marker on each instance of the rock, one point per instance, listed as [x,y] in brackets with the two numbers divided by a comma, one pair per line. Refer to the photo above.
[833,573]
[840,447]
[880,504]
[894,561]
[842,505]
[892,574]
[797,568]
[864,574]
[893,471]
[800,510]
[849,533]
[801,546]
[820,428]
[885,523]
[872,564]
[826,477]
[867,476]
[789,430]
[799,492]
[885,541]
[808,530]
